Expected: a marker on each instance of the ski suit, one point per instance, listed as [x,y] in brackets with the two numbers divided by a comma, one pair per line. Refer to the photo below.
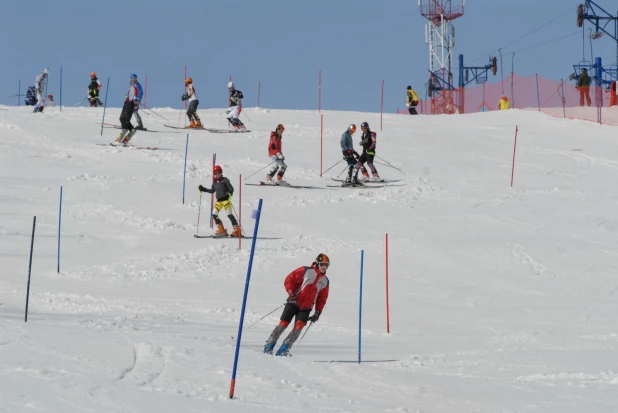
[309,286]
[130,103]
[235,108]
[93,92]
[223,191]
[349,154]
[39,85]
[274,151]
[31,96]
[368,142]
[412,101]
[140,94]
[193,102]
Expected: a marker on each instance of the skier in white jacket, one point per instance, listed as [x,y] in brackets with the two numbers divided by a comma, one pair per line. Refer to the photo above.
[39,86]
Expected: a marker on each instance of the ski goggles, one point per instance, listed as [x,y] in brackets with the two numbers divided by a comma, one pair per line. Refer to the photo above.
[324,264]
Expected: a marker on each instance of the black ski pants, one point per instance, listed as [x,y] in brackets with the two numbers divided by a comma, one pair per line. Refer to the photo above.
[192,110]
[125,115]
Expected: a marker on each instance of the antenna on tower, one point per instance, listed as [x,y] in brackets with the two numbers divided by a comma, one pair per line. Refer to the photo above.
[440,36]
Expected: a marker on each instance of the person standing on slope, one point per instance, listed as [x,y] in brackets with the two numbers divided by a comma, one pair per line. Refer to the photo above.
[583,85]
[223,190]
[31,96]
[39,86]
[368,142]
[235,108]
[305,286]
[274,151]
[131,102]
[93,91]
[347,147]
[140,94]
[412,101]
[191,96]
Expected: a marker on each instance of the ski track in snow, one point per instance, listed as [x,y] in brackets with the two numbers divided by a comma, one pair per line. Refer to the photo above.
[502,299]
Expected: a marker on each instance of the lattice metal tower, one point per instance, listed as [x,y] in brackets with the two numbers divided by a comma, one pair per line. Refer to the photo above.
[440,36]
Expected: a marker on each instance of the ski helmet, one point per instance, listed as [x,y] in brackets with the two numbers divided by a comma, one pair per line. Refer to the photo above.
[364,125]
[188,80]
[50,97]
[45,71]
[134,76]
[322,259]
[230,85]
[280,128]
[92,74]
[352,128]
[217,170]
[409,87]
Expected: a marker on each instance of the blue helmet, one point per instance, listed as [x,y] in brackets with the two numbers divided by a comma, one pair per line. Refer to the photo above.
[364,125]
[134,76]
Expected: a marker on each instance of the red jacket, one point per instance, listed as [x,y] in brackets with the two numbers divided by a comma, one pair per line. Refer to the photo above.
[310,285]
[275,140]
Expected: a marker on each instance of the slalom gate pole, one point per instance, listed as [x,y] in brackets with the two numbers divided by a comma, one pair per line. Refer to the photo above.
[29,269]
[145,92]
[321,141]
[212,196]
[59,225]
[199,211]
[338,162]
[360,305]
[514,150]
[381,105]
[104,106]
[257,214]
[184,174]
[259,87]
[320,91]
[388,319]
[260,170]
[240,211]
[60,88]
[18,92]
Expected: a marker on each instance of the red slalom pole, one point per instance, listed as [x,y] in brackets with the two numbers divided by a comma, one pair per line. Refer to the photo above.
[514,150]
[382,106]
[229,102]
[388,319]
[259,87]
[321,141]
[320,91]
[145,91]
[240,211]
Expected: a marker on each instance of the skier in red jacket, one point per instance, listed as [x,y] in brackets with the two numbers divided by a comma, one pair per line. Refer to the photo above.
[274,151]
[305,286]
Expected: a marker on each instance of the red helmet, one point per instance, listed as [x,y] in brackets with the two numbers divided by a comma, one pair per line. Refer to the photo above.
[92,74]
[217,171]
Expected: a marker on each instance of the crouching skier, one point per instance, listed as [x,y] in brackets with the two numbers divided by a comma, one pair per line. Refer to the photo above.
[223,190]
[305,286]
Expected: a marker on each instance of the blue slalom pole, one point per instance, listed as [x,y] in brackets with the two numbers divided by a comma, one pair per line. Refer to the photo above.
[60,88]
[184,175]
[104,106]
[257,215]
[59,225]
[18,92]
[360,306]
[30,269]
[214,162]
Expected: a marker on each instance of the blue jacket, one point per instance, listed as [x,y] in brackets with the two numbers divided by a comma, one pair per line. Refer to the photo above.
[346,141]
[140,91]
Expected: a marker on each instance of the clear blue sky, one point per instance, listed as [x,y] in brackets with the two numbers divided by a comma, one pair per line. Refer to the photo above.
[282,43]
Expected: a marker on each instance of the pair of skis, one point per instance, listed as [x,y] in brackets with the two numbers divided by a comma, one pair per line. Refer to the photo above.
[219,236]
[286,185]
[128,146]
[211,130]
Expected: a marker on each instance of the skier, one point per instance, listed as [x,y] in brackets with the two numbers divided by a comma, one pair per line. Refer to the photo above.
[223,190]
[412,101]
[130,104]
[93,91]
[349,154]
[274,151]
[191,96]
[39,85]
[305,286]
[503,103]
[583,85]
[140,94]
[368,142]
[31,96]
[235,107]
[51,100]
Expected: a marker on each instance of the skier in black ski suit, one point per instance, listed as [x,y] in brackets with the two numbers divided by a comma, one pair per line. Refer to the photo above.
[223,190]
[368,142]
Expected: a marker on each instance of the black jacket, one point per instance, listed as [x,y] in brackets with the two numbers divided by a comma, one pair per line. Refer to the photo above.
[368,141]
[222,189]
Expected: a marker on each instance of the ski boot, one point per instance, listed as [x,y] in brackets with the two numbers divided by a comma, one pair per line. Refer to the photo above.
[191,124]
[268,178]
[237,231]
[376,177]
[127,138]
[198,124]
[140,127]
[268,348]
[221,231]
[283,351]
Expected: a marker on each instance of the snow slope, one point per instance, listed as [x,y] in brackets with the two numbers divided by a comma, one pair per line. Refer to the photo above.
[502,299]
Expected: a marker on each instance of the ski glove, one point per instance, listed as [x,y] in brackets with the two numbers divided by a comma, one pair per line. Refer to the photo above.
[273,146]
[292,297]
[184,97]
[201,188]
[280,156]
[315,317]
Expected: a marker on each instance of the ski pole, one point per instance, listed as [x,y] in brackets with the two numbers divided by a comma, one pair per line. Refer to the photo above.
[259,170]
[342,171]
[332,166]
[180,113]
[388,163]
[236,214]
[390,166]
[199,211]
[247,116]
[157,114]
[305,333]
[248,327]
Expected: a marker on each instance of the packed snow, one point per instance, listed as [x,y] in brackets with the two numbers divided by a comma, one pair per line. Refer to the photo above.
[502,299]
